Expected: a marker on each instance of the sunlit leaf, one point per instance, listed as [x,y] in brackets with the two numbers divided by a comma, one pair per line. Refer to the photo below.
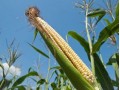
[117,81]
[117,10]
[56,67]
[97,13]
[21,79]
[80,39]
[109,30]
[65,88]
[5,83]
[35,34]
[101,73]
[107,21]
[18,88]
[39,51]
[113,61]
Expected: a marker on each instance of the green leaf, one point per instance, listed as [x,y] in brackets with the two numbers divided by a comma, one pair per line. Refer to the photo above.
[5,83]
[97,13]
[39,51]
[53,85]
[21,79]
[35,34]
[102,74]
[18,88]
[107,21]
[117,10]
[113,61]
[72,73]
[105,34]
[56,67]
[115,83]
[65,88]
[80,39]
[41,81]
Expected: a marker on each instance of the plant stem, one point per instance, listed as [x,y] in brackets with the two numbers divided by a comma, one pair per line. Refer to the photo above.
[4,75]
[90,45]
[2,82]
[47,78]
[89,40]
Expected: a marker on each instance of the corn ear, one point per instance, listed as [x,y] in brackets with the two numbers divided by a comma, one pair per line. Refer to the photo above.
[78,73]
[72,73]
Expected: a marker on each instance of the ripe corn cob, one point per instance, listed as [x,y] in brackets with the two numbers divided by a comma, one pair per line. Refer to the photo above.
[43,27]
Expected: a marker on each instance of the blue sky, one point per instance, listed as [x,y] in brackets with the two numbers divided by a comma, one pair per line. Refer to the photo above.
[62,15]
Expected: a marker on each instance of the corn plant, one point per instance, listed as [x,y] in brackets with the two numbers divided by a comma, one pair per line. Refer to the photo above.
[78,73]
[8,69]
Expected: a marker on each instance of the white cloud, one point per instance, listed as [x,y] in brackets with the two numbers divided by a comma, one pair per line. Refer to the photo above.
[10,71]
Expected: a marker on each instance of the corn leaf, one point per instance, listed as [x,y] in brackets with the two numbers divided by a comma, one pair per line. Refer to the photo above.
[39,51]
[107,21]
[115,83]
[107,31]
[5,84]
[105,34]
[101,73]
[21,79]
[114,62]
[41,81]
[80,39]
[117,10]
[35,34]
[65,88]
[56,67]
[18,88]
[97,13]
[72,73]
[54,87]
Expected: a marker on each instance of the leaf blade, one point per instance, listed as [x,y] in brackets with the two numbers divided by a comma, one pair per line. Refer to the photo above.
[80,39]
[39,51]
[21,79]
[106,33]
[113,61]
[35,34]
[97,13]
[101,72]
